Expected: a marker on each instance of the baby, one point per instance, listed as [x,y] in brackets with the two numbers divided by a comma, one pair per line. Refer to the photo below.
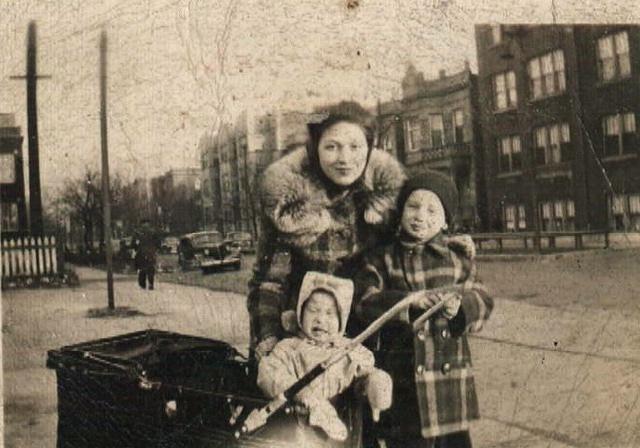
[324,303]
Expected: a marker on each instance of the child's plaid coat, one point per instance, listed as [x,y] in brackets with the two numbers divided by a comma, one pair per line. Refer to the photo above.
[434,391]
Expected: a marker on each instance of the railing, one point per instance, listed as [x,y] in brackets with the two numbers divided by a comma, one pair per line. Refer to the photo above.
[439,153]
[548,240]
[28,257]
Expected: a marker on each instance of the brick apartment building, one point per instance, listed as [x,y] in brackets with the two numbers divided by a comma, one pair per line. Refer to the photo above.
[14,207]
[176,201]
[234,157]
[436,125]
[559,107]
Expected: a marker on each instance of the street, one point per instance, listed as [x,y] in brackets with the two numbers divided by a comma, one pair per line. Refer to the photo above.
[555,366]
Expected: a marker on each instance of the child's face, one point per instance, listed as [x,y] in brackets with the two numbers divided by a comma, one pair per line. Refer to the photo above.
[320,319]
[423,215]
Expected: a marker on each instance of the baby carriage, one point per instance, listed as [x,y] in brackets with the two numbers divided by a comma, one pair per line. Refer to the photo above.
[159,389]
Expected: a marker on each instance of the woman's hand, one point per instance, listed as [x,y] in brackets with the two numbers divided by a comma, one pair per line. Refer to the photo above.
[372,216]
[265,347]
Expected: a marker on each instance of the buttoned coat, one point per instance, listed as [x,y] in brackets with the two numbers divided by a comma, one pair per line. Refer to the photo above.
[434,389]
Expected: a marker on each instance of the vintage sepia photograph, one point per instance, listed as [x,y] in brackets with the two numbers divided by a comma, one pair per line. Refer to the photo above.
[335,223]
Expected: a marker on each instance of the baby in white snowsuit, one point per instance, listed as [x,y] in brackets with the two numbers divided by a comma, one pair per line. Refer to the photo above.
[323,308]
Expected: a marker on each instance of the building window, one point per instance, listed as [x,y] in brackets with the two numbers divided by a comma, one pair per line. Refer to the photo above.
[510,154]
[514,218]
[458,126]
[558,215]
[552,144]
[546,74]
[496,34]
[437,130]
[387,142]
[613,57]
[413,134]
[619,134]
[504,88]
[9,216]
[625,211]
[7,168]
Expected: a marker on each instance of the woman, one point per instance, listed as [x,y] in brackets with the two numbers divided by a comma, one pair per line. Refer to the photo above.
[322,205]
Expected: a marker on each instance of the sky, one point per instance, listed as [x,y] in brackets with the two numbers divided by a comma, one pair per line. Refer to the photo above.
[177,68]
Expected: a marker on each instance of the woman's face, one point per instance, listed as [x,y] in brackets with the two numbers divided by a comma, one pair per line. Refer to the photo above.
[423,216]
[342,152]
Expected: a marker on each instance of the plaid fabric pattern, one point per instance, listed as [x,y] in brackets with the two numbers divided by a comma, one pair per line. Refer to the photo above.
[432,367]
[337,251]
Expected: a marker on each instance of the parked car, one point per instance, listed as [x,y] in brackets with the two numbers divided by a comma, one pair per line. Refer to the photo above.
[169,245]
[241,240]
[207,251]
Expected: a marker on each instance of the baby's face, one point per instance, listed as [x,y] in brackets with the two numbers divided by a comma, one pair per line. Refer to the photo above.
[423,215]
[320,319]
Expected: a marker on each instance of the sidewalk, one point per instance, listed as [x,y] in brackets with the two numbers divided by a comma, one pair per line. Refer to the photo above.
[545,377]
[36,320]
[558,378]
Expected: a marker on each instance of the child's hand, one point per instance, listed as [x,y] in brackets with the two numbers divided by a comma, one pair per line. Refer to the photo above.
[289,321]
[379,392]
[452,305]
[425,299]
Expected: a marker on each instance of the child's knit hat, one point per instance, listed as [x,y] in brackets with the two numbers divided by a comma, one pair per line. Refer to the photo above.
[340,288]
[440,184]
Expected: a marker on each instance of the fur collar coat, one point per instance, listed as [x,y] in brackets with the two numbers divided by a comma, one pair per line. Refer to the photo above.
[304,228]
[295,200]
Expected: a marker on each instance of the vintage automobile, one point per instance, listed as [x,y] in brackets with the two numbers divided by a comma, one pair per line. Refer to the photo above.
[242,241]
[207,251]
[169,245]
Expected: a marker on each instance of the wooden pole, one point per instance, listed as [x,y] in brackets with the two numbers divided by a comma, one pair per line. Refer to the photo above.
[105,167]
[31,77]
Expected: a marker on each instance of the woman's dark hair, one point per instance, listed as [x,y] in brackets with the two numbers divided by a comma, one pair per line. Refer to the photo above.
[348,111]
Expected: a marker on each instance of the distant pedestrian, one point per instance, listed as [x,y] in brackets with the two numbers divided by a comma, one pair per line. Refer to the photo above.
[434,396]
[147,245]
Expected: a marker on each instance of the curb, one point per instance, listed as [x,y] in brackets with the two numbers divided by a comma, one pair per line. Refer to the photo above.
[538,256]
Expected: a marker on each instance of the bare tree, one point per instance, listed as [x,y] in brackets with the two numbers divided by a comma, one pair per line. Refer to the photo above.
[81,200]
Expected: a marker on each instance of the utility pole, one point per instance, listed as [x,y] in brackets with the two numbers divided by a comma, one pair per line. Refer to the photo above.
[31,77]
[106,200]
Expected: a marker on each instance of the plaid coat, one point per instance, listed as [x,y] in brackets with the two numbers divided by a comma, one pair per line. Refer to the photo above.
[434,391]
[306,228]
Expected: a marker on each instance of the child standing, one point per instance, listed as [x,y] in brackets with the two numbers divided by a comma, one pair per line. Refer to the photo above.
[434,396]
[322,311]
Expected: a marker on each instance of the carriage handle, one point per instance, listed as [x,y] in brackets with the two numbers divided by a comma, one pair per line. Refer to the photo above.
[258,417]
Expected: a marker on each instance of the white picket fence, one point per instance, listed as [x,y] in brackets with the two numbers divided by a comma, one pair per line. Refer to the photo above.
[29,257]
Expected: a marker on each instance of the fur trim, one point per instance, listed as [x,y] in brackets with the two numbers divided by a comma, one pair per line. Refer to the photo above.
[462,245]
[341,288]
[295,201]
